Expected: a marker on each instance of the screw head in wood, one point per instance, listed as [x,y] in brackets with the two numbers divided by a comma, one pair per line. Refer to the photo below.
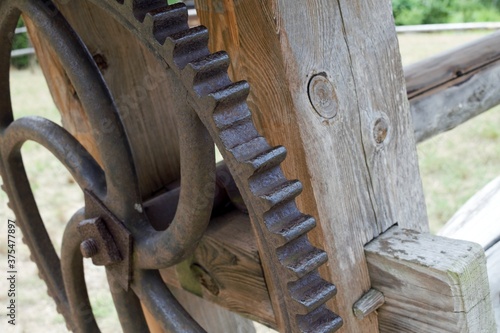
[322,96]
[89,248]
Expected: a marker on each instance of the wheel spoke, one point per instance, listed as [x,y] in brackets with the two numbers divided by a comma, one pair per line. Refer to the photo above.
[82,166]
[82,318]
[128,307]
[155,295]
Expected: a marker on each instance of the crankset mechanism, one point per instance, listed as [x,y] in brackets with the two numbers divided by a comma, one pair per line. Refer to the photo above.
[134,234]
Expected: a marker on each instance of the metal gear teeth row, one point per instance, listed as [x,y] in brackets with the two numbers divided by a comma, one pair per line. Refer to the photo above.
[8,202]
[40,274]
[226,114]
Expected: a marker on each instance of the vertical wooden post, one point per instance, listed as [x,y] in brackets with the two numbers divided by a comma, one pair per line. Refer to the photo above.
[327,83]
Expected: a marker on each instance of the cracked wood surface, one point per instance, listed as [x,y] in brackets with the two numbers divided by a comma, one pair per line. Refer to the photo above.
[359,168]
[430,283]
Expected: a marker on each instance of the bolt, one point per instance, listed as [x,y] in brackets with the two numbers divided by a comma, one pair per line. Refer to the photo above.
[380,130]
[322,96]
[89,248]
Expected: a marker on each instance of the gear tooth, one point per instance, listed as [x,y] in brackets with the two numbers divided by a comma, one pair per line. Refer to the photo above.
[267,160]
[165,21]
[301,258]
[188,45]
[238,133]
[229,96]
[141,7]
[290,229]
[311,292]
[321,320]
[281,193]
[208,74]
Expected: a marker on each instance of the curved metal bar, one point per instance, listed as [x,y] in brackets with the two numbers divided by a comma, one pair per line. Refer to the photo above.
[155,295]
[34,231]
[82,317]
[123,192]
[82,166]
[128,307]
[155,249]
[8,22]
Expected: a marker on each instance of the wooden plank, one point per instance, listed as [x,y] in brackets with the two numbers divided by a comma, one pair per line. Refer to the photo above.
[454,86]
[493,263]
[209,315]
[448,27]
[447,66]
[478,219]
[430,283]
[225,269]
[141,94]
[359,168]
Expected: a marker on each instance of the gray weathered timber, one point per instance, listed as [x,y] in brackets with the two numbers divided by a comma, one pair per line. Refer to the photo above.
[454,86]
[430,283]
[493,263]
[478,221]
[359,168]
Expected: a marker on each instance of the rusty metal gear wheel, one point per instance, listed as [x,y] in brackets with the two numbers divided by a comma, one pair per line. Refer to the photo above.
[218,113]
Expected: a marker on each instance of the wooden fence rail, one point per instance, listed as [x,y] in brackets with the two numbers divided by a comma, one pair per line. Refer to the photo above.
[452,87]
[25,51]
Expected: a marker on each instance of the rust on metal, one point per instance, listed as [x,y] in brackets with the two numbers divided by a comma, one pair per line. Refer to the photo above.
[216,112]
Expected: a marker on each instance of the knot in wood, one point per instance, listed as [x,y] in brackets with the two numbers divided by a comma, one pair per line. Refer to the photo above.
[322,96]
[380,130]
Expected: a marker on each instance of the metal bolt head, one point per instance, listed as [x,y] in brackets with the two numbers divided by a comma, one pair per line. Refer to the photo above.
[322,96]
[89,248]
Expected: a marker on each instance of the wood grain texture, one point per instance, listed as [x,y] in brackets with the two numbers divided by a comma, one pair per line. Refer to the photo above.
[493,263]
[478,219]
[73,117]
[447,66]
[225,269]
[355,184]
[430,283]
[369,303]
[454,86]
[211,316]
[139,83]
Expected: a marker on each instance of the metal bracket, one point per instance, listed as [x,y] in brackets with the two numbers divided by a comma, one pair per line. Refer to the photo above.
[106,240]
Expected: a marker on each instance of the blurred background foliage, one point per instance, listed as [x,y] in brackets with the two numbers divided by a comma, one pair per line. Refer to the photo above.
[409,12]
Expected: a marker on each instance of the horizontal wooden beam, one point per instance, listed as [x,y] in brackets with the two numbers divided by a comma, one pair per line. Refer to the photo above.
[430,283]
[454,86]
[225,269]
[477,221]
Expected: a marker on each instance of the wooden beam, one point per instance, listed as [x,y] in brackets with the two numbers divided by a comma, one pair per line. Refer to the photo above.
[430,283]
[225,269]
[141,94]
[493,260]
[327,83]
[477,221]
[452,87]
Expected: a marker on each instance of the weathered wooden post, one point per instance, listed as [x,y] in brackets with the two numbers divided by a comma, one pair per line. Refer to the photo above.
[327,83]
